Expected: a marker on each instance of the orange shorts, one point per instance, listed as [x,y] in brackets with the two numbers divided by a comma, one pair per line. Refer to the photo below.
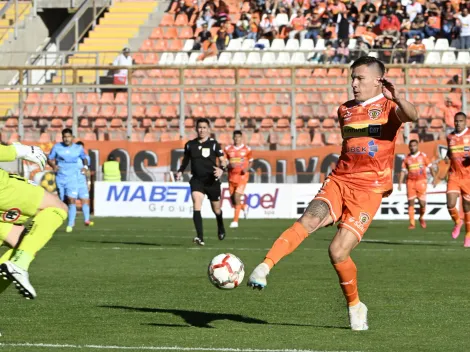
[237,187]
[459,185]
[416,188]
[355,208]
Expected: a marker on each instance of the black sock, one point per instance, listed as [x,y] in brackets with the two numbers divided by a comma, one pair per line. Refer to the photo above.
[197,219]
[220,222]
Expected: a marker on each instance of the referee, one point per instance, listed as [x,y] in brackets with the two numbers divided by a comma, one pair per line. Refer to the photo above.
[203,153]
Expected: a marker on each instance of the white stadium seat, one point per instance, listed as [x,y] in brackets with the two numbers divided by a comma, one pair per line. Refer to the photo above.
[248,44]
[268,58]
[448,58]
[181,59]
[254,58]
[441,44]
[278,44]
[433,58]
[224,58]
[307,44]
[463,58]
[297,58]
[292,44]
[238,58]
[188,44]
[283,58]
[264,42]
[234,44]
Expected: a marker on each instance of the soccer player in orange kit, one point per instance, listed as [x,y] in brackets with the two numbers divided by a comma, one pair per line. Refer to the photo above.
[415,164]
[240,159]
[458,152]
[353,192]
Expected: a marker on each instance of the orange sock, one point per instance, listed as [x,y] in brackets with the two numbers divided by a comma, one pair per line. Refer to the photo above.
[467,222]
[237,212]
[347,274]
[454,214]
[422,211]
[286,243]
[411,214]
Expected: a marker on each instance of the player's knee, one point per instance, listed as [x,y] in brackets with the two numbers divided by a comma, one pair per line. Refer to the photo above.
[337,252]
[310,222]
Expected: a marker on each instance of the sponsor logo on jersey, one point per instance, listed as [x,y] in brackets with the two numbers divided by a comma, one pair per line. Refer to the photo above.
[11,215]
[364,217]
[362,131]
[371,149]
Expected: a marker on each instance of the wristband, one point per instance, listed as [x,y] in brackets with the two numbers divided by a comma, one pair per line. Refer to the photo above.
[85,167]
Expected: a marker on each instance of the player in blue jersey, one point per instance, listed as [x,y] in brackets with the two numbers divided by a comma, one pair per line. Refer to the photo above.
[63,159]
[83,193]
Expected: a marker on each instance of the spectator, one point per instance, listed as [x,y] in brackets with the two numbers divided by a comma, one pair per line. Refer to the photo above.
[123,59]
[336,8]
[417,27]
[186,7]
[433,23]
[253,33]
[328,54]
[464,25]
[222,39]
[390,25]
[342,53]
[267,26]
[383,9]
[399,51]
[417,51]
[454,81]
[313,28]
[361,49]
[449,113]
[385,54]
[400,11]
[209,48]
[206,18]
[447,17]
[221,13]
[298,25]
[241,30]
[424,136]
[369,36]
[353,12]
[413,10]
[203,35]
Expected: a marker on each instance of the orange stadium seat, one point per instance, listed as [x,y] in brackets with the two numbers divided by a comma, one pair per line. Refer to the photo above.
[299,124]
[64,111]
[303,139]
[317,140]
[257,140]
[138,111]
[228,112]
[160,124]
[334,139]
[313,123]
[63,98]
[32,98]
[150,137]
[57,123]
[436,125]
[100,123]
[121,98]
[186,33]
[286,140]
[266,124]
[153,111]
[146,123]
[282,124]
[122,112]
[175,124]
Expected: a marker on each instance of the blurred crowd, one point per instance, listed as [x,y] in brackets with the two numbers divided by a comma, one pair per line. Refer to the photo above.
[385,25]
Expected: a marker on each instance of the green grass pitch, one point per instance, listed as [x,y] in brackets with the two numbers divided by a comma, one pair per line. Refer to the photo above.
[141,283]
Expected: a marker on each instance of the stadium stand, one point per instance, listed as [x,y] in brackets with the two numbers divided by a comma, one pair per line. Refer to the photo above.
[254,36]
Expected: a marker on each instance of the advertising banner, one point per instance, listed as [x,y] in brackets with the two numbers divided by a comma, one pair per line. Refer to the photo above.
[265,201]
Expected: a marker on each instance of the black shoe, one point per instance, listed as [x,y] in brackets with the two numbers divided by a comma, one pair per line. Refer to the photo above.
[198,241]
[221,235]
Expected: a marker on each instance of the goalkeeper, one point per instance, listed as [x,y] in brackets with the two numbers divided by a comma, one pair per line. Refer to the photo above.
[20,200]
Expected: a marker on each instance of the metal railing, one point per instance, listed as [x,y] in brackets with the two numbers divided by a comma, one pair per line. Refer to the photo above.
[79,25]
[17,14]
[235,86]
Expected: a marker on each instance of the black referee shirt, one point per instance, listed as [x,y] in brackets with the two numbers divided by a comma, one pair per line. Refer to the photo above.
[203,157]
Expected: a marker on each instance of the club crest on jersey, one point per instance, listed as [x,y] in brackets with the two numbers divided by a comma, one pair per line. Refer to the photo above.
[206,152]
[374,113]
[364,218]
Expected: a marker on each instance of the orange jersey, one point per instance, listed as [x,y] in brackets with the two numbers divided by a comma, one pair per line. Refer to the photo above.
[459,153]
[369,131]
[239,158]
[416,166]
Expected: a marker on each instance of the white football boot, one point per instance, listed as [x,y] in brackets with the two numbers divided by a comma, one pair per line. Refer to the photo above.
[358,317]
[19,277]
[234,225]
[257,279]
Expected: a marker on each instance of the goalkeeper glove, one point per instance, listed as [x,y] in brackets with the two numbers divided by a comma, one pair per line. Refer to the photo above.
[31,153]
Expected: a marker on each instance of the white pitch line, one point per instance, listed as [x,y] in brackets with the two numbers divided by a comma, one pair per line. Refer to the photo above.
[155,348]
[225,249]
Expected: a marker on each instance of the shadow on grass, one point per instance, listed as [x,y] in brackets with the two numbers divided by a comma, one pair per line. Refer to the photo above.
[204,319]
[137,243]
[380,242]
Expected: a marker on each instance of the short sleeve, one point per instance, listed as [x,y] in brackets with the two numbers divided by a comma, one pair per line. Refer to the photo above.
[218,150]
[53,153]
[403,165]
[250,155]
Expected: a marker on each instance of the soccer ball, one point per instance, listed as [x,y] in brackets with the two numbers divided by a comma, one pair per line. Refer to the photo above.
[226,271]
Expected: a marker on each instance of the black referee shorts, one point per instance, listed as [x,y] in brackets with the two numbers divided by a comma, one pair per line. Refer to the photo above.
[211,190]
